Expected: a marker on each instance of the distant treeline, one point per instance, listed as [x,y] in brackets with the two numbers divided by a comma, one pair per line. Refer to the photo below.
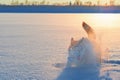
[68,3]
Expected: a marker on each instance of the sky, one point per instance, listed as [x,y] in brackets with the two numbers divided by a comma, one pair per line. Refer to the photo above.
[53,1]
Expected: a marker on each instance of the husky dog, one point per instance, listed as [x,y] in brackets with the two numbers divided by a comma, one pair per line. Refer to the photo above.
[85,51]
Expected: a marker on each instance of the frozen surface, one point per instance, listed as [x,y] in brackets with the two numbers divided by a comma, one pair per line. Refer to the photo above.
[39,52]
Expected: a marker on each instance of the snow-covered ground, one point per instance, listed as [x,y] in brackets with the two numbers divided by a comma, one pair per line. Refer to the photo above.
[33,50]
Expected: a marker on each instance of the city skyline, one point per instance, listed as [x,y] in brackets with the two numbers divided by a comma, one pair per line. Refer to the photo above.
[101,2]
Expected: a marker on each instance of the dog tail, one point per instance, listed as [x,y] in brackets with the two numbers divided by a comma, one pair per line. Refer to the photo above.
[89,30]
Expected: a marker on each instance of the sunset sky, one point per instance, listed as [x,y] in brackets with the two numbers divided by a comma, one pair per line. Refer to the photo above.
[60,1]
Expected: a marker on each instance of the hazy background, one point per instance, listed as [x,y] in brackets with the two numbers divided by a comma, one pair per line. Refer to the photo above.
[61,1]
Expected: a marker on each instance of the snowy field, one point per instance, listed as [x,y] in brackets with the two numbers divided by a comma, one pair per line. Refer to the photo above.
[35,47]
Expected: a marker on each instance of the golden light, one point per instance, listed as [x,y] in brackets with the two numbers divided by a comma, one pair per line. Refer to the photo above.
[99,20]
[105,20]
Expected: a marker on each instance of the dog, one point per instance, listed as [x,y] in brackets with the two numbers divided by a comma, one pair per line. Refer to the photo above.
[85,51]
